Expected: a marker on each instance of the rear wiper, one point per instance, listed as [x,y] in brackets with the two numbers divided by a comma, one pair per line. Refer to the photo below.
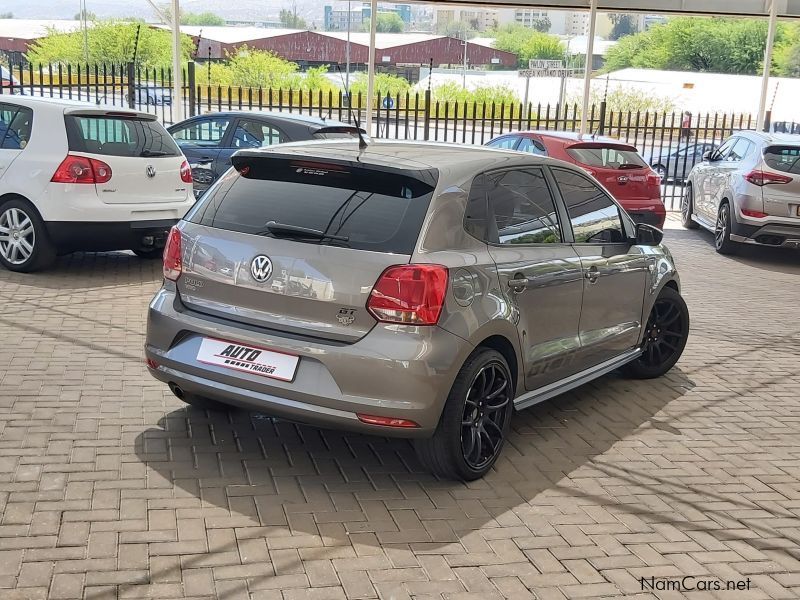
[282,229]
[153,153]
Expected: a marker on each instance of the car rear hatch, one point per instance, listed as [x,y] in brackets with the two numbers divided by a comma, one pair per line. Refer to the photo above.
[296,245]
[620,169]
[144,160]
[780,180]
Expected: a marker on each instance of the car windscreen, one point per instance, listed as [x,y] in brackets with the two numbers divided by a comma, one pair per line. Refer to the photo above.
[606,157]
[783,158]
[119,136]
[358,207]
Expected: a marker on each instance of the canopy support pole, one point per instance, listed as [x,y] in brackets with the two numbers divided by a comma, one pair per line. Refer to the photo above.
[371,66]
[762,105]
[587,70]
[177,76]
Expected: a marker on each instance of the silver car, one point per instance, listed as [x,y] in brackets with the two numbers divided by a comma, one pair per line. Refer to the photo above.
[409,289]
[747,191]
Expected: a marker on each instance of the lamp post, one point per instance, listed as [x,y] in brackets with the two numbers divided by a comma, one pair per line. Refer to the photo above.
[347,53]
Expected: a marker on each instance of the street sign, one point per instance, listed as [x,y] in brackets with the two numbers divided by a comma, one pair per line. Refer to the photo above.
[539,63]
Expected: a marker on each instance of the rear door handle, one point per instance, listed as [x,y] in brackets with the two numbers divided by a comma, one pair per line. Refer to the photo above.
[592,273]
[518,284]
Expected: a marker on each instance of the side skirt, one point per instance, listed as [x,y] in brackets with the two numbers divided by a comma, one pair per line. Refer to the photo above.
[559,387]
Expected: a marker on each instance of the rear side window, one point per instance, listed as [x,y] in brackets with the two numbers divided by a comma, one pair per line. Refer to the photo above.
[606,158]
[521,208]
[595,218]
[783,158]
[506,143]
[119,136]
[373,209]
[16,123]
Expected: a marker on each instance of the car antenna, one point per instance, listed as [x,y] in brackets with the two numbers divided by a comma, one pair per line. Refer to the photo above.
[362,143]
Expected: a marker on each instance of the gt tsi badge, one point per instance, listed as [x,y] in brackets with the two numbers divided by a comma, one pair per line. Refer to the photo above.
[346,316]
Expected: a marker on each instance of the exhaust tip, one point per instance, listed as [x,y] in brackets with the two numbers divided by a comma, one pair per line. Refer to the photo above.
[176,390]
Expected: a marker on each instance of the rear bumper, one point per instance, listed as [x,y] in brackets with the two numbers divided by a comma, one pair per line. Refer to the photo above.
[73,236]
[654,214]
[782,235]
[393,371]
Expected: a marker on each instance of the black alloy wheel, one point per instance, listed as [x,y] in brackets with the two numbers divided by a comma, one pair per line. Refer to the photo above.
[485,412]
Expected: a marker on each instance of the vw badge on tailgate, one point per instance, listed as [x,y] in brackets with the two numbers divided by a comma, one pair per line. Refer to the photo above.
[261,268]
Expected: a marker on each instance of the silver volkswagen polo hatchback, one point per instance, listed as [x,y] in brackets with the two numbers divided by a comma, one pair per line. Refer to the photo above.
[409,289]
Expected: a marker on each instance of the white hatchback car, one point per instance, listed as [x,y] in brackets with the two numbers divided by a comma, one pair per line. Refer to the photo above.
[77,176]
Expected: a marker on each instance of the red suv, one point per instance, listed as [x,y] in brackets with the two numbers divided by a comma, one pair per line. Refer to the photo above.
[614,164]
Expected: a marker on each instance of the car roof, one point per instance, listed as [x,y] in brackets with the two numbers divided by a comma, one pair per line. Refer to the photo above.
[770,137]
[282,116]
[72,106]
[574,136]
[461,160]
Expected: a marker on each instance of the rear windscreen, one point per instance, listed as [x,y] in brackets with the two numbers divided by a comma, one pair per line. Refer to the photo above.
[119,136]
[783,158]
[374,210]
[608,158]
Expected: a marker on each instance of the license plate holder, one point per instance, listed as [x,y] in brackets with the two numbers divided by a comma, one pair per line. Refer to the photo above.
[247,358]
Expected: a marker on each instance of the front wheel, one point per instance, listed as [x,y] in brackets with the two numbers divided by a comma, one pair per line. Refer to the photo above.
[665,337]
[475,420]
[24,244]
[722,231]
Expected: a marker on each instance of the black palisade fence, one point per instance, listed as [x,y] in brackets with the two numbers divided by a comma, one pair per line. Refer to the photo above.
[660,137]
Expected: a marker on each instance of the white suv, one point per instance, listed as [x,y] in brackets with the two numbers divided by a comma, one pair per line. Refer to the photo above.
[77,176]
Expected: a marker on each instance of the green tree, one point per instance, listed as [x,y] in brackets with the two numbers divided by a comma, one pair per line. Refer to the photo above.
[203,18]
[542,25]
[487,94]
[90,16]
[387,23]
[697,44]
[623,25]
[290,20]
[528,43]
[110,42]
[455,29]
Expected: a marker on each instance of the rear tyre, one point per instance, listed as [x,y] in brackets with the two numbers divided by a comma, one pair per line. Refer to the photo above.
[24,244]
[665,337]
[722,231]
[687,208]
[149,254]
[661,171]
[475,420]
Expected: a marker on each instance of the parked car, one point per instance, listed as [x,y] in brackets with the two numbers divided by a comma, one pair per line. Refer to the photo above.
[78,176]
[210,139]
[8,82]
[674,164]
[153,94]
[747,192]
[614,164]
[451,285]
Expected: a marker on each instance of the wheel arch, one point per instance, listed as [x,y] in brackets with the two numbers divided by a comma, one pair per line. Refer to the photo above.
[15,196]
[503,345]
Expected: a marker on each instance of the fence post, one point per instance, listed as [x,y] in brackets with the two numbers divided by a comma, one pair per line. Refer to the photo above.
[602,129]
[131,70]
[427,116]
[191,82]
[767,120]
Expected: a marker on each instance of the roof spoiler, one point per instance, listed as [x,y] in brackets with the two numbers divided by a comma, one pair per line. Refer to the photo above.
[112,112]
[341,129]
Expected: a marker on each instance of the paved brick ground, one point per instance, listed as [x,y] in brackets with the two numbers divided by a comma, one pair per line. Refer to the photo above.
[111,488]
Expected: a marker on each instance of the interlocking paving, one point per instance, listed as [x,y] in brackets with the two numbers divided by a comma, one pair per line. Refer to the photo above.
[111,488]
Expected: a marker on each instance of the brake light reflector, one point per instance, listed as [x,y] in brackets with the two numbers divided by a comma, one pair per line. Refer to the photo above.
[753,213]
[186,172]
[762,178]
[409,294]
[173,263]
[386,421]
[81,169]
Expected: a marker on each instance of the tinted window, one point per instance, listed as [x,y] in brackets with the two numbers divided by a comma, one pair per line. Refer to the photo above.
[207,133]
[740,150]
[375,210]
[609,158]
[506,143]
[532,146]
[254,134]
[119,136]
[475,214]
[725,149]
[783,158]
[521,208]
[594,217]
[16,123]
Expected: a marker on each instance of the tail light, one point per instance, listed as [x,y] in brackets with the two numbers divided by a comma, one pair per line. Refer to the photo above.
[409,294]
[173,264]
[762,178]
[653,178]
[186,172]
[81,169]
[757,214]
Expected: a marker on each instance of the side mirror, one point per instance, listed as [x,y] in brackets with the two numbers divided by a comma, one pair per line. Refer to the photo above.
[647,235]
[707,155]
